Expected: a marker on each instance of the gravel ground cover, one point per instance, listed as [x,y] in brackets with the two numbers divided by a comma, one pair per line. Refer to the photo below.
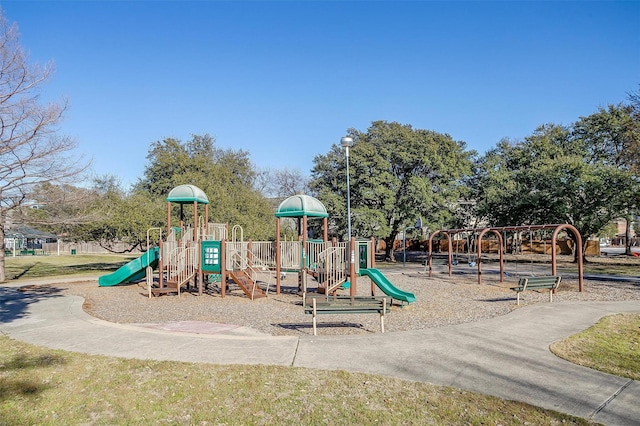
[441,300]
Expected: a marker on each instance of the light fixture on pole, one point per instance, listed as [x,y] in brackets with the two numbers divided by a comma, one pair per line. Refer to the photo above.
[347,142]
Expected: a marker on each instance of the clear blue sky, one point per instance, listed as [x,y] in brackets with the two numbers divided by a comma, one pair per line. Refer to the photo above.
[285,80]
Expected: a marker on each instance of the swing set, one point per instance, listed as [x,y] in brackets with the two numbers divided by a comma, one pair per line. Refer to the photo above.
[474,254]
[517,248]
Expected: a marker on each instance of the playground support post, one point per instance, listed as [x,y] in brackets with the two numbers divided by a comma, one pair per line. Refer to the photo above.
[161,264]
[168,218]
[278,256]
[372,262]
[578,249]
[195,219]
[223,267]
[372,253]
[352,266]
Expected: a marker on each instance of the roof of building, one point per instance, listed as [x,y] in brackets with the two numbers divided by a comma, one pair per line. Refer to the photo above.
[27,232]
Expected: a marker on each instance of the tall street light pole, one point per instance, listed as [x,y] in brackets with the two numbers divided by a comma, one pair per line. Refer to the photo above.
[347,142]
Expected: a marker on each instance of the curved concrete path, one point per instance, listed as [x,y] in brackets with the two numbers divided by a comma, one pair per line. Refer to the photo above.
[507,356]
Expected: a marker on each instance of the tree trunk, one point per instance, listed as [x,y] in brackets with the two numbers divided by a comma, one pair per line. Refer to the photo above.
[388,251]
[584,252]
[2,252]
[574,247]
[627,237]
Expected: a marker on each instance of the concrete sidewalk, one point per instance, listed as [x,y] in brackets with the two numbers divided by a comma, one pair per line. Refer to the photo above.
[506,356]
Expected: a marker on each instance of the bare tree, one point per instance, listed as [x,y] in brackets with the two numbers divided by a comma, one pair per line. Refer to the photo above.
[31,151]
[281,182]
[61,208]
[633,143]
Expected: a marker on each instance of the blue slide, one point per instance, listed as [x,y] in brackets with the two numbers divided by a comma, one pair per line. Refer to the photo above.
[132,271]
[385,285]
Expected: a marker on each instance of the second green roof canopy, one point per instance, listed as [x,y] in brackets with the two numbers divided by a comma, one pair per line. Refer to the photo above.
[300,206]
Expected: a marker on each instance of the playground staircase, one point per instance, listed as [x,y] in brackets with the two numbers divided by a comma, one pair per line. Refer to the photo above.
[332,270]
[180,269]
[244,268]
[248,285]
[330,286]
[169,287]
[257,267]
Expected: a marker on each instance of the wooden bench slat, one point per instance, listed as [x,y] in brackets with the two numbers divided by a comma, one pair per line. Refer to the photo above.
[346,307]
[348,311]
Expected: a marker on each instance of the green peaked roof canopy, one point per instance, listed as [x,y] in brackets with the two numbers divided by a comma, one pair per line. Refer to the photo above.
[187,194]
[300,206]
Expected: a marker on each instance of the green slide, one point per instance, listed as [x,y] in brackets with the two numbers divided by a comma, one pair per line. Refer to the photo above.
[385,285]
[132,271]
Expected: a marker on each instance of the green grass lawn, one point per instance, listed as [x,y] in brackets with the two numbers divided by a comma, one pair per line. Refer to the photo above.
[32,267]
[612,345]
[51,387]
[631,268]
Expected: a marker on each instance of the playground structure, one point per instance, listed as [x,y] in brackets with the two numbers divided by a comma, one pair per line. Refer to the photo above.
[201,252]
[479,233]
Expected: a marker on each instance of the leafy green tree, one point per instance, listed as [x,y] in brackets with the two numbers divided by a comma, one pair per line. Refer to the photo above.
[611,137]
[168,161]
[633,158]
[607,136]
[397,175]
[507,175]
[558,175]
[226,176]
[125,217]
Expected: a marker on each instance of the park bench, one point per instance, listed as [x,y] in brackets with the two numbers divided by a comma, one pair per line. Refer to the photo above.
[347,305]
[537,283]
